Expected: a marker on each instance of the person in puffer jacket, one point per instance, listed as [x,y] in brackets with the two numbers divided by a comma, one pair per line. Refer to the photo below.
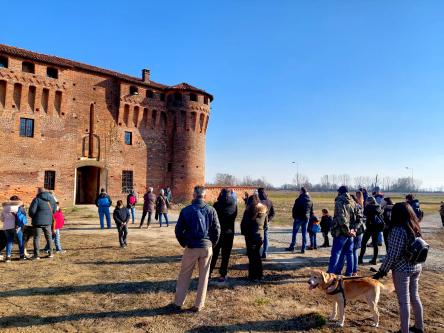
[121,217]
[198,231]
[103,202]
[8,217]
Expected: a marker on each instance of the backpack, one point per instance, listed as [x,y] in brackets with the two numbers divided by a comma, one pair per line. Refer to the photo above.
[378,222]
[20,218]
[103,201]
[132,200]
[200,227]
[316,228]
[417,250]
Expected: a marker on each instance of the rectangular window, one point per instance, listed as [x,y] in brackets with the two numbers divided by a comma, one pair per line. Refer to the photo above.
[162,97]
[169,167]
[128,138]
[127,181]
[26,127]
[205,100]
[193,97]
[149,94]
[49,182]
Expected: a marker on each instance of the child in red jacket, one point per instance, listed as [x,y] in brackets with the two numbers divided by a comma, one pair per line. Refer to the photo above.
[59,222]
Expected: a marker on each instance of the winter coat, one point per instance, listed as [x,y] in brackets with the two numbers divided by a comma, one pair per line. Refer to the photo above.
[269,204]
[303,207]
[59,220]
[370,212]
[149,202]
[198,226]
[42,209]
[253,228]
[121,216]
[359,222]
[162,204]
[344,215]
[441,209]
[387,215]
[128,203]
[226,209]
[8,214]
[326,223]
[102,202]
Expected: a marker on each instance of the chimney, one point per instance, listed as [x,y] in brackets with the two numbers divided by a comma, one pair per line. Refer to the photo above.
[145,75]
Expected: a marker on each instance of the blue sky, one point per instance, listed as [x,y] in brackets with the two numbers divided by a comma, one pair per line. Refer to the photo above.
[340,87]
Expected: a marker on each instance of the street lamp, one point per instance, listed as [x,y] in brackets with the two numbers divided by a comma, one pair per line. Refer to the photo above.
[413,184]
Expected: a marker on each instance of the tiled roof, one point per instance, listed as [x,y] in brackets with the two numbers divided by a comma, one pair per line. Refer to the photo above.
[53,60]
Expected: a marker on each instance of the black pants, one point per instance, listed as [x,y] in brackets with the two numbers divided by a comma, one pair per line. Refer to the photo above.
[225,244]
[373,234]
[442,220]
[326,240]
[255,270]
[123,232]
[143,218]
[48,235]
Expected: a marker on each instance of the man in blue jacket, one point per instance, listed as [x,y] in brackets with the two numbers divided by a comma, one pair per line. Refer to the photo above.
[103,202]
[198,231]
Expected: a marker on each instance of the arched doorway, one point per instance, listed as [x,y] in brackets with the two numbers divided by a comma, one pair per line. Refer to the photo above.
[88,182]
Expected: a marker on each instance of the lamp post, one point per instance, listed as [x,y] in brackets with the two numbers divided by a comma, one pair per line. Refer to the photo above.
[413,184]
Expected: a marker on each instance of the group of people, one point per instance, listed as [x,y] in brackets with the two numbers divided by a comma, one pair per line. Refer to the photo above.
[47,218]
[204,231]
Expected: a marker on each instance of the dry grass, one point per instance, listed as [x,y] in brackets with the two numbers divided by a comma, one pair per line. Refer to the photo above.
[96,287]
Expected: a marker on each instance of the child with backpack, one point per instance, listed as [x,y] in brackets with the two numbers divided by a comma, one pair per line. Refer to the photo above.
[326,223]
[313,228]
[14,218]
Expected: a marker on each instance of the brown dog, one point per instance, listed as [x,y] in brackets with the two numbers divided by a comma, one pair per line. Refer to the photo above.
[342,289]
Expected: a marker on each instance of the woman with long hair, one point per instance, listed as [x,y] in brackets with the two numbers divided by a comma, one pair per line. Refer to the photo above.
[252,227]
[404,227]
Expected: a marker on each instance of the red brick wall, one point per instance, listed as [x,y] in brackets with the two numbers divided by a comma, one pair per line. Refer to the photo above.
[159,137]
[213,192]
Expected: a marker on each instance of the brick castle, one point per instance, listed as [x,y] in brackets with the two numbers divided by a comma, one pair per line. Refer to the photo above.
[75,128]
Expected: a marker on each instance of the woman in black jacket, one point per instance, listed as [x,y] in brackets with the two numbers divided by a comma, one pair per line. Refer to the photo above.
[121,217]
[374,225]
[226,208]
[252,227]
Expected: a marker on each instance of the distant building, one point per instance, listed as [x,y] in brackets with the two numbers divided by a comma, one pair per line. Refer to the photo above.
[75,128]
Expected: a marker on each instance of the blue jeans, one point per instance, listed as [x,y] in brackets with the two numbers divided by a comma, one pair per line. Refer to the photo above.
[341,244]
[265,244]
[313,242]
[356,247]
[160,218]
[56,239]
[10,236]
[104,212]
[133,213]
[296,225]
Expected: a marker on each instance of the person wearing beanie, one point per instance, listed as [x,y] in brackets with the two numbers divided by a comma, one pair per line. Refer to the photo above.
[343,219]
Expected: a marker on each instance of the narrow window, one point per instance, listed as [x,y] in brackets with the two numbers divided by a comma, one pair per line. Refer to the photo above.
[3,62]
[201,122]
[128,138]
[183,117]
[178,96]
[206,100]
[153,118]
[145,117]
[52,72]
[169,167]
[149,94]
[26,127]
[193,120]
[2,93]
[136,116]
[162,97]
[17,95]
[28,67]
[193,97]
[134,90]
[49,182]
[31,97]
[163,120]
[127,181]
[45,97]
[58,102]
[126,114]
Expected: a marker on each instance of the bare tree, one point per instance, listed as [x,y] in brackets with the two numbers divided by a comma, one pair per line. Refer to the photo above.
[225,179]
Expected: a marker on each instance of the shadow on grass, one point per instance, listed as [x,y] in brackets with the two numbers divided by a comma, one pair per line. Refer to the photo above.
[24,320]
[136,261]
[301,323]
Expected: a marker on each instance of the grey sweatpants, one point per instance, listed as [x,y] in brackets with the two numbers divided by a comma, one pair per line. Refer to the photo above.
[406,286]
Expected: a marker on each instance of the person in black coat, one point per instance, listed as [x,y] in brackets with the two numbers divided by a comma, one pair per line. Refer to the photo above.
[263,197]
[374,225]
[226,208]
[302,210]
[121,217]
[326,223]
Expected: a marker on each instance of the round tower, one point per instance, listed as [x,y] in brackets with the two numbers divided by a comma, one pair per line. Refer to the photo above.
[189,108]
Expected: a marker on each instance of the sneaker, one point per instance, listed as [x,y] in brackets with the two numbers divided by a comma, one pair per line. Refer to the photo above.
[290,249]
[415,330]
[60,251]
[264,256]
[35,258]
[174,308]
[51,255]
[310,248]
[8,259]
[222,279]
[302,251]
[23,257]
[196,309]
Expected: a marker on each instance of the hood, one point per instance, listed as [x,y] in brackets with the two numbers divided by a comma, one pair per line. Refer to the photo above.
[344,199]
[46,196]
[199,202]
[12,203]
[304,196]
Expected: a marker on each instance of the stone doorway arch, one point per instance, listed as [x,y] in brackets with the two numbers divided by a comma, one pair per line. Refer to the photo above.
[90,178]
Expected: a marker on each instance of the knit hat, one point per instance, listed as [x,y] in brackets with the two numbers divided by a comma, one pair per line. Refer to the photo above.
[343,189]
